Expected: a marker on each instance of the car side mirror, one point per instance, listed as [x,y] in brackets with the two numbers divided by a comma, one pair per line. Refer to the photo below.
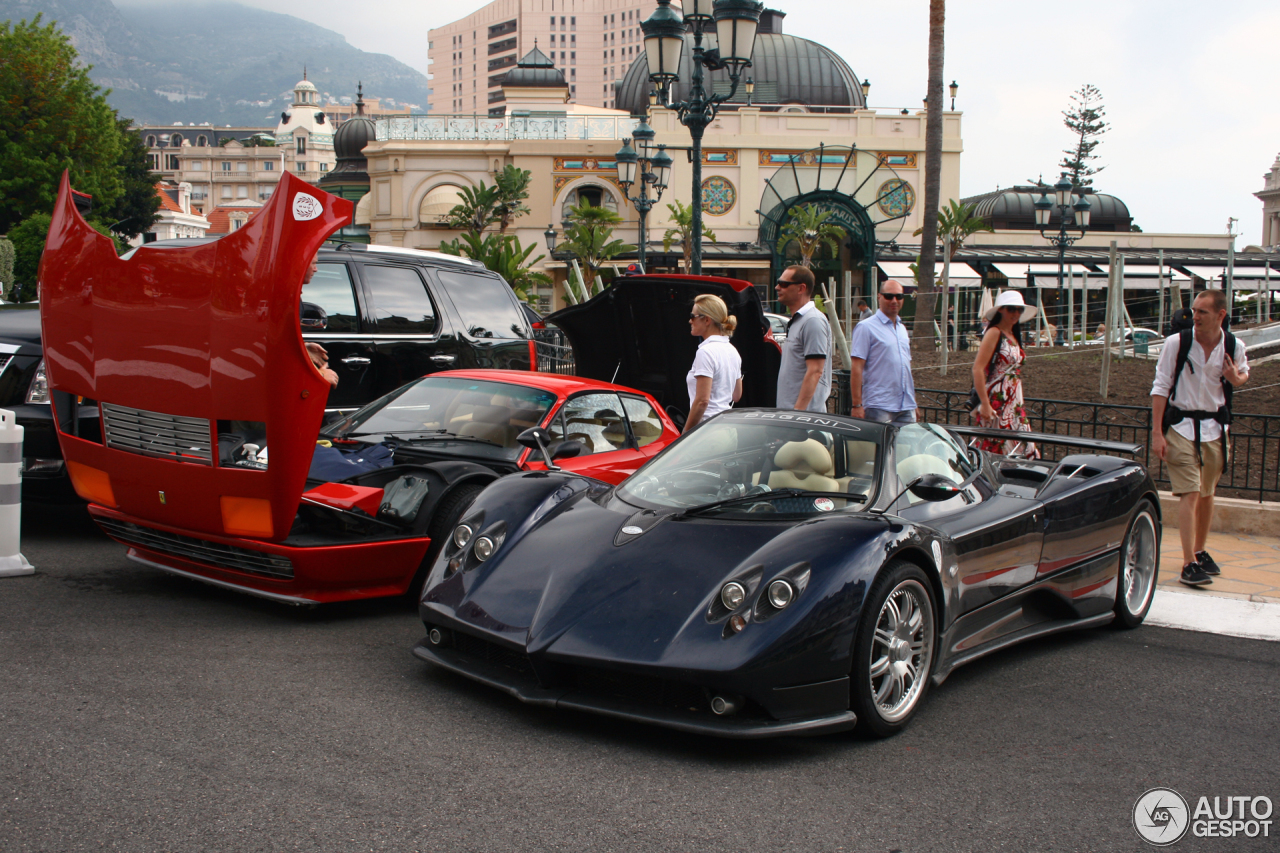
[567,449]
[536,438]
[313,317]
[933,487]
[677,417]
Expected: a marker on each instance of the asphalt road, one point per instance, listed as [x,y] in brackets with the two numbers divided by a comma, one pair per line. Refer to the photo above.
[142,712]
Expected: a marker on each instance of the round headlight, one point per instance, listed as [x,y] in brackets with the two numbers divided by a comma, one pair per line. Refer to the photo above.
[732,595]
[485,548]
[781,594]
[462,535]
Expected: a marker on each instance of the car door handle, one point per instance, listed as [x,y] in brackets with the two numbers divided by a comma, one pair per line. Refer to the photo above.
[443,359]
[355,359]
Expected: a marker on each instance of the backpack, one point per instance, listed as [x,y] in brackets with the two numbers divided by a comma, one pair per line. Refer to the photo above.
[1174,415]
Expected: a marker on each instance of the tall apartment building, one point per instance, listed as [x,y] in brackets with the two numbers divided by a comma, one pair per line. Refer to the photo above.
[593,42]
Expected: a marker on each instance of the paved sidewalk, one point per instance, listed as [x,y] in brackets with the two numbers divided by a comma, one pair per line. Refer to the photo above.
[1250,566]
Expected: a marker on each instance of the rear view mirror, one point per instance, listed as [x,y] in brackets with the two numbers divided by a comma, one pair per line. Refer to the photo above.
[312,317]
[567,449]
[933,487]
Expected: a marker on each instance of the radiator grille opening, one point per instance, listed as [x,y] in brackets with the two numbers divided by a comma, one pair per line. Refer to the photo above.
[200,550]
[157,434]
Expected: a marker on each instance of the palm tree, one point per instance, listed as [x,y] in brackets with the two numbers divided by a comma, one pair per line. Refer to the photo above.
[808,227]
[922,328]
[682,232]
[588,237]
[512,185]
[957,221]
[486,205]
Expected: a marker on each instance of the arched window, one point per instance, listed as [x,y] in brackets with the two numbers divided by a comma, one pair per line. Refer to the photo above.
[202,141]
[176,140]
[151,141]
[592,194]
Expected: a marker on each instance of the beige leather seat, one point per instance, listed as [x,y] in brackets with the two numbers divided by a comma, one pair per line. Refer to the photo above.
[804,465]
[860,464]
[492,423]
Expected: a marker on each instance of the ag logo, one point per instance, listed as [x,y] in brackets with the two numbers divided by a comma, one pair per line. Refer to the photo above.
[1161,816]
[306,207]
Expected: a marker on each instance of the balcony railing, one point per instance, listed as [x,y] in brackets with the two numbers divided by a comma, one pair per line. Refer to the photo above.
[535,126]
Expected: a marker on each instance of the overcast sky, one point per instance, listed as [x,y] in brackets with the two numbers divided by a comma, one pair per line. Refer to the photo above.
[1190,88]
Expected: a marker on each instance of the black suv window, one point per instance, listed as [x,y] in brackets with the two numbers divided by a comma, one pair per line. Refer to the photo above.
[484,302]
[330,288]
[400,300]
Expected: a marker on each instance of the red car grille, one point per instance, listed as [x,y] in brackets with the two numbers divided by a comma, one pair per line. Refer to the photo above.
[200,550]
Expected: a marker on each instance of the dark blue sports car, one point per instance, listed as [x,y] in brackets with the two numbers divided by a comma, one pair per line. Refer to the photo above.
[786,573]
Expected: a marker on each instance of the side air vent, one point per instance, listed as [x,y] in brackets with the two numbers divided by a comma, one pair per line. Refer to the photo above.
[157,434]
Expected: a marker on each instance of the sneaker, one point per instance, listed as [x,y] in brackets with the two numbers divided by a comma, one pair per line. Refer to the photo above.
[1206,562]
[1193,574]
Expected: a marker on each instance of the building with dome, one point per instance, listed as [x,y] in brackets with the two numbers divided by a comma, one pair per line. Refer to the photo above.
[305,133]
[1270,198]
[349,178]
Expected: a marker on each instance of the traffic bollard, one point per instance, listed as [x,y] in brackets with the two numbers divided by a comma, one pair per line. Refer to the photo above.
[12,563]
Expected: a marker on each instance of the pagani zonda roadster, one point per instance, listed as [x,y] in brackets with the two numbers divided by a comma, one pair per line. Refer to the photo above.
[786,573]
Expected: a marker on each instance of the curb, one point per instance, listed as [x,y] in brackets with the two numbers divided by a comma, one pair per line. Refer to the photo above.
[1230,515]
[1231,617]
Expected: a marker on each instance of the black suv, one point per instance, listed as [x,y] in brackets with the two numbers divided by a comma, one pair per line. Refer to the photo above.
[386,315]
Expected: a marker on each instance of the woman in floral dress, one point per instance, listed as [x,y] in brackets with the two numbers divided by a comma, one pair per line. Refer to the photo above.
[997,375]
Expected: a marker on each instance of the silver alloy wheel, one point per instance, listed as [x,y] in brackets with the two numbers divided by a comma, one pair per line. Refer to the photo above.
[1138,575]
[901,650]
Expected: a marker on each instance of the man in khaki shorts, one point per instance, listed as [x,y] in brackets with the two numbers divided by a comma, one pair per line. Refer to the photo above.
[1194,445]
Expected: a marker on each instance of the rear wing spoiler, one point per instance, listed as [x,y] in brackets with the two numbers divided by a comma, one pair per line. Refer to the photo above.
[1049,438]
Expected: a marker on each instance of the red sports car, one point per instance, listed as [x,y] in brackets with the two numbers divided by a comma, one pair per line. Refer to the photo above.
[207,464]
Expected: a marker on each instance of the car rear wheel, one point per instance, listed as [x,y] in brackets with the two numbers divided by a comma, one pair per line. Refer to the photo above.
[446,518]
[893,654]
[1139,560]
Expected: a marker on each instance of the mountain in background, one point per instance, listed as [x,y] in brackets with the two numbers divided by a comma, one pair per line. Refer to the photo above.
[218,62]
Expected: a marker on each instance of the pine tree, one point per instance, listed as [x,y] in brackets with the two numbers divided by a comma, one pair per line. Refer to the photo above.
[1085,118]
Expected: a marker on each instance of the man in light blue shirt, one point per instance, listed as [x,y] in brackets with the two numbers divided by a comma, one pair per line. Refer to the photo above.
[881,383]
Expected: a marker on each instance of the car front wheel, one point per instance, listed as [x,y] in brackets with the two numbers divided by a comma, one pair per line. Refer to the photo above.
[1139,560]
[446,518]
[893,654]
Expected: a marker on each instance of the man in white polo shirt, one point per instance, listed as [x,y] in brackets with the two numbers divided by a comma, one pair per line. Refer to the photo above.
[804,377]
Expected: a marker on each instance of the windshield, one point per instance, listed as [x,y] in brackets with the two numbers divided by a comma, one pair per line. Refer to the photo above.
[821,465]
[449,413]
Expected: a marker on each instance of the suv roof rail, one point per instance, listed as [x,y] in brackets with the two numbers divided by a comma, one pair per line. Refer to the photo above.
[346,246]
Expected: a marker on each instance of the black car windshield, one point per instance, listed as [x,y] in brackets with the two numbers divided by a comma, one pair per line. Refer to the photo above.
[819,464]
[472,417]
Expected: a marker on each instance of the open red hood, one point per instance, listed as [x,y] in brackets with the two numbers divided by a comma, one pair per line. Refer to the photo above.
[207,332]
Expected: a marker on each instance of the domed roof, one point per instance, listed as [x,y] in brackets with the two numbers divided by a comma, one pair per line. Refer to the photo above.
[305,84]
[1014,208]
[349,141]
[535,70]
[786,70]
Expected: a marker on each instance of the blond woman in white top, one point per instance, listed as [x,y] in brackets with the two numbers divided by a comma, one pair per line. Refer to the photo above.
[715,380]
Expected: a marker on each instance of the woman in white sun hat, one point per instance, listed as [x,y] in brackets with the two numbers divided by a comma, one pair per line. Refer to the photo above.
[997,374]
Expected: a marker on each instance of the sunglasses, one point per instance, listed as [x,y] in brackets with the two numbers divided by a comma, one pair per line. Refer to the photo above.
[693,317]
[782,282]
[898,296]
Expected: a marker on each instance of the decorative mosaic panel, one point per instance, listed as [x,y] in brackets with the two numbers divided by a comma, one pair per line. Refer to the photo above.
[896,197]
[585,164]
[889,158]
[720,156]
[718,196]
[560,181]
[802,158]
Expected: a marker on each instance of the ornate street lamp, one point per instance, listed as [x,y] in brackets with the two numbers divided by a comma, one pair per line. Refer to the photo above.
[954,88]
[736,22]
[646,169]
[550,236]
[1064,195]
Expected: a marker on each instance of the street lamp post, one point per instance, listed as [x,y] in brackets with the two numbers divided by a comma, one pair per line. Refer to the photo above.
[645,168]
[1064,192]
[736,22]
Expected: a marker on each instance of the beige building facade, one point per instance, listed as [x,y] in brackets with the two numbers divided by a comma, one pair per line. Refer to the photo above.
[593,42]
[1270,198]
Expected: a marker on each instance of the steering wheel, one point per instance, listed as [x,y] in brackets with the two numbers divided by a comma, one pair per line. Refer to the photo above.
[694,481]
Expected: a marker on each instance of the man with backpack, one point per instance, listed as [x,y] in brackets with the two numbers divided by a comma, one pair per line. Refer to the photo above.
[1191,401]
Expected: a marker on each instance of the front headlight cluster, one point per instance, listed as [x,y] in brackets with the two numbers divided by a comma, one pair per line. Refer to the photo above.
[483,546]
[38,392]
[736,597]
